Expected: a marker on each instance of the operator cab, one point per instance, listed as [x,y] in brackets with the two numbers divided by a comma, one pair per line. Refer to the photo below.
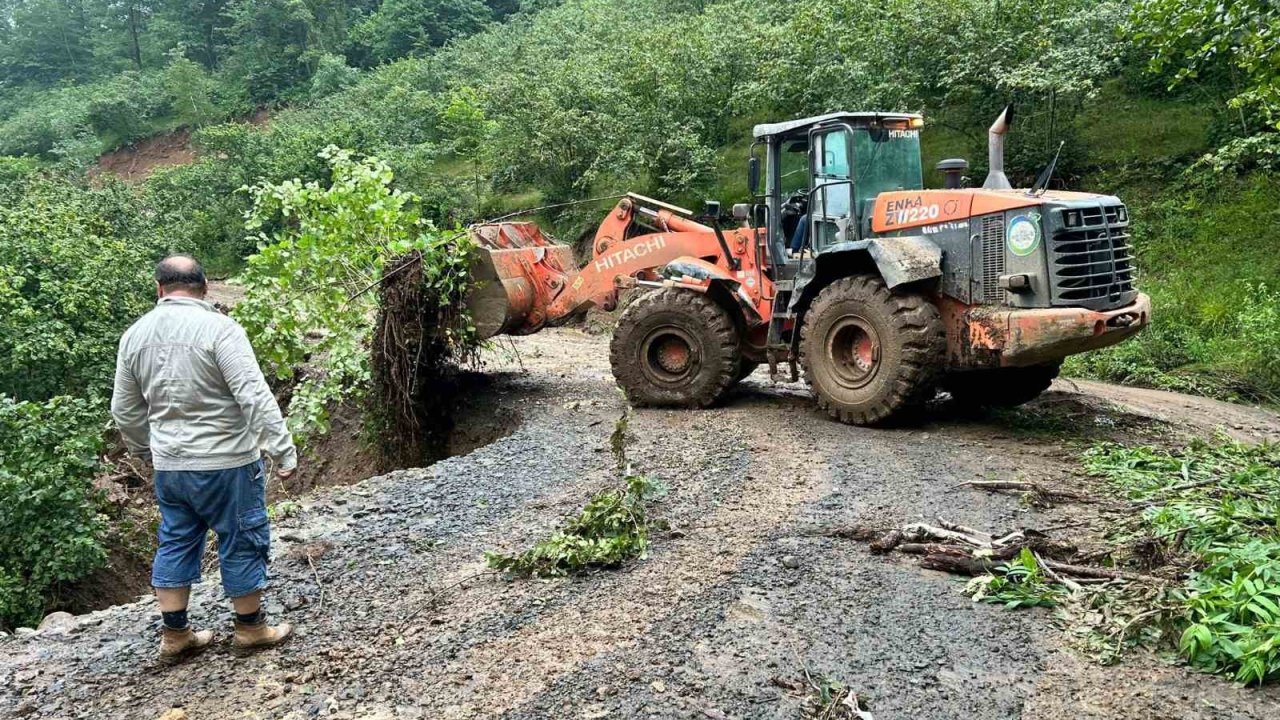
[824,173]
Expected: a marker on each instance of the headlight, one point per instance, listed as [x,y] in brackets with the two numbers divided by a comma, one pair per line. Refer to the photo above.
[1072,218]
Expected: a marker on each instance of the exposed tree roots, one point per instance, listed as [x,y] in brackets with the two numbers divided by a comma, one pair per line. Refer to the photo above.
[954,548]
[412,364]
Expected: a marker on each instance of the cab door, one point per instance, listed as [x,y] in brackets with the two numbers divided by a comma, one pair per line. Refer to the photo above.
[831,196]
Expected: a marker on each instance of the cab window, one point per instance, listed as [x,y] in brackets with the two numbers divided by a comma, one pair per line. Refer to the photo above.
[795,168]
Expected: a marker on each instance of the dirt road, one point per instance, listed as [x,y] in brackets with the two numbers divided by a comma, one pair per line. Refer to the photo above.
[753,583]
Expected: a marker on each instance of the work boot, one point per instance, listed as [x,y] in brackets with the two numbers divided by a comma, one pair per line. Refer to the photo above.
[177,644]
[260,635]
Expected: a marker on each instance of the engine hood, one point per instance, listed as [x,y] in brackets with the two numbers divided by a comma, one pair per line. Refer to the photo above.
[905,209]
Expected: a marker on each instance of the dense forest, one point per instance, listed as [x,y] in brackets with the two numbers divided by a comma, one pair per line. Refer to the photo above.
[460,110]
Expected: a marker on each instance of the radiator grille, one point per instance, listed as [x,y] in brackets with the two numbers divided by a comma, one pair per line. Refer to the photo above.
[992,232]
[1092,265]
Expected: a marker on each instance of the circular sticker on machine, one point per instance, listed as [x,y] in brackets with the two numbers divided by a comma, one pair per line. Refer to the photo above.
[1024,235]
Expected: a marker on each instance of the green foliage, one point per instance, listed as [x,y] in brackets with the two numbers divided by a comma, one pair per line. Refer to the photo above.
[191,89]
[1220,502]
[405,27]
[1220,493]
[321,249]
[75,269]
[1205,251]
[50,529]
[1018,583]
[1231,43]
[332,75]
[612,528]
[1233,612]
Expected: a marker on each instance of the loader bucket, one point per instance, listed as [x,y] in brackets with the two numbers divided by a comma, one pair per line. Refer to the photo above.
[518,271]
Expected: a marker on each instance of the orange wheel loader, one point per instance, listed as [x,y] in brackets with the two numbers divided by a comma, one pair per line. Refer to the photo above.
[845,269]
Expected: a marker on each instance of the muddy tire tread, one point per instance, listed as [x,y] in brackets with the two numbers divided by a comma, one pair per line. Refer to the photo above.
[720,330]
[915,319]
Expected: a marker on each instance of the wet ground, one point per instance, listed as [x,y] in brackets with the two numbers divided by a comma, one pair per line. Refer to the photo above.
[753,586]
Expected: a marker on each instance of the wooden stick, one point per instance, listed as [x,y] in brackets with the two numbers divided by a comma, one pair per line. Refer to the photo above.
[925,530]
[1022,485]
[1049,572]
[890,541]
[1095,572]
[964,529]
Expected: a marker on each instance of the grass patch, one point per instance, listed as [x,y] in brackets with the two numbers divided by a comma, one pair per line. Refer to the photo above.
[1123,127]
[1207,259]
[1214,507]
[1207,515]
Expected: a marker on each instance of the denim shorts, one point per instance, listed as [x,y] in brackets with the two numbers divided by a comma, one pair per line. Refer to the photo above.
[233,503]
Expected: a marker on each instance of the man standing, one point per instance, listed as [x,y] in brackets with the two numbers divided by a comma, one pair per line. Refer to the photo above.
[190,396]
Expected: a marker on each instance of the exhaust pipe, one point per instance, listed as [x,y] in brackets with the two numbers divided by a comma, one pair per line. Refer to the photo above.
[996,179]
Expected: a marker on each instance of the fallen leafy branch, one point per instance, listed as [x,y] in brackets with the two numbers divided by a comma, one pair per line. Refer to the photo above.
[612,528]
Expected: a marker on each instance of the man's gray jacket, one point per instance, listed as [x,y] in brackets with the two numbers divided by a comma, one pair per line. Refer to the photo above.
[189,392]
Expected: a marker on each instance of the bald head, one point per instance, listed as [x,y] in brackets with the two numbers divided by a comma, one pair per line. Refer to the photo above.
[180,275]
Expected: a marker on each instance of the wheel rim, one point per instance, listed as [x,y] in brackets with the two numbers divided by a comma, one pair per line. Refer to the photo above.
[853,346]
[669,355]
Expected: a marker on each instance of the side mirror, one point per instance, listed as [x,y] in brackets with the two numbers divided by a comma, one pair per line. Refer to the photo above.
[753,175]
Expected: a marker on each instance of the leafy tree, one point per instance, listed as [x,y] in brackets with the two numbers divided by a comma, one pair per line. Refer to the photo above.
[74,273]
[1233,42]
[200,27]
[47,41]
[276,44]
[191,89]
[332,75]
[404,27]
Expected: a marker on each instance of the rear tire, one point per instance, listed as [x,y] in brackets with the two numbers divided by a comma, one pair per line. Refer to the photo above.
[675,348]
[1001,387]
[870,353]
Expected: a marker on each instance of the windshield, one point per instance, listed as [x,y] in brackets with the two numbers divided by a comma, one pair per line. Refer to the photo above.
[884,160]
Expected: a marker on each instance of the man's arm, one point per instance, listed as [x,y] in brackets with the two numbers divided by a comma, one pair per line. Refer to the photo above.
[243,376]
[129,409]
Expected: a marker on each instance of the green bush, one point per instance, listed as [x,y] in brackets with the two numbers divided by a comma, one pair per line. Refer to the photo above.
[125,108]
[50,529]
[75,268]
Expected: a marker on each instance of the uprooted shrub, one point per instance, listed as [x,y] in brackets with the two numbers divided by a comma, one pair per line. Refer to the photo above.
[1217,505]
[312,294]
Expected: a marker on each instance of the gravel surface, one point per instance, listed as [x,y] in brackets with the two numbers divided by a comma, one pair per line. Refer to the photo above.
[753,586]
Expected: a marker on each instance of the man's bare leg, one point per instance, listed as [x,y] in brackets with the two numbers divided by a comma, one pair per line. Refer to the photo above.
[247,604]
[173,599]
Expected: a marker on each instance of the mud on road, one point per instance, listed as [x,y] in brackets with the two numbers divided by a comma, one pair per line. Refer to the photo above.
[395,623]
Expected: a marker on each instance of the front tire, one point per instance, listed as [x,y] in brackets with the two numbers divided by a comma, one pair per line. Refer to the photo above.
[675,348]
[870,353]
[1001,387]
